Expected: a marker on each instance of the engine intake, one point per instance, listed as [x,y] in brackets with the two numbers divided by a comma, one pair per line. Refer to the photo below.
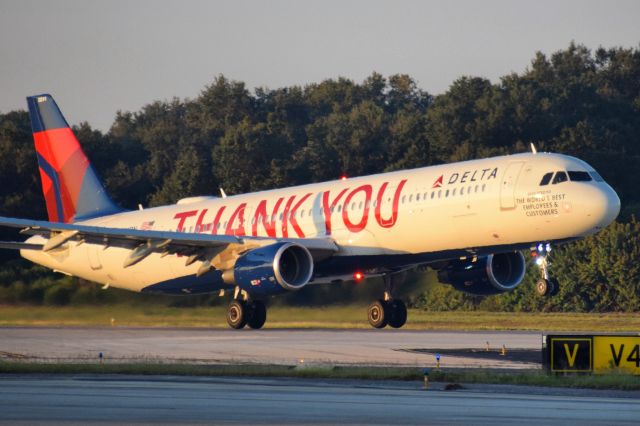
[274,269]
[493,274]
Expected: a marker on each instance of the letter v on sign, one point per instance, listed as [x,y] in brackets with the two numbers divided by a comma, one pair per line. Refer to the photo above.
[571,357]
[617,356]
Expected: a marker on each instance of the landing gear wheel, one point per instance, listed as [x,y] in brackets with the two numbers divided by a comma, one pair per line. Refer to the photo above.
[397,313]
[237,314]
[257,314]
[377,314]
[546,287]
[555,287]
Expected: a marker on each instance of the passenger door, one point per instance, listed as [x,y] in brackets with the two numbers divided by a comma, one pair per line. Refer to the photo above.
[508,186]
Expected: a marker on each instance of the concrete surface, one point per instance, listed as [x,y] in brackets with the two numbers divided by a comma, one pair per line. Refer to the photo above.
[338,347]
[172,400]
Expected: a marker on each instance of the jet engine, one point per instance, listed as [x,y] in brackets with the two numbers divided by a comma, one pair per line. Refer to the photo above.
[492,274]
[273,269]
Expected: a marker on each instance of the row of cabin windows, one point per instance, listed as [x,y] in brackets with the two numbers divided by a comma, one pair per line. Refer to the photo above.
[405,199]
[446,193]
[573,176]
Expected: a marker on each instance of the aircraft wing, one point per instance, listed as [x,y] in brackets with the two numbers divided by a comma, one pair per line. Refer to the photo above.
[145,242]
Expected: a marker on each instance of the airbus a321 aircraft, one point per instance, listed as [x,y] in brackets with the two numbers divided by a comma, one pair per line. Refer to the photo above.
[469,220]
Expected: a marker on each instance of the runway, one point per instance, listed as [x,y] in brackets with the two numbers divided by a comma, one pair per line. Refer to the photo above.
[171,400]
[336,347]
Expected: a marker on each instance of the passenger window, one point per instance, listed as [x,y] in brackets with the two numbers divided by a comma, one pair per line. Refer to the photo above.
[579,176]
[462,191]
[546,179]
[446,194]
[433,194]
[417,197]
[560,177]
[453,192]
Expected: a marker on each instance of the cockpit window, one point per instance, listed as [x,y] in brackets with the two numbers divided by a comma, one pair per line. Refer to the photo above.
[596,176]
[579,176]
[560,177]
[546,179]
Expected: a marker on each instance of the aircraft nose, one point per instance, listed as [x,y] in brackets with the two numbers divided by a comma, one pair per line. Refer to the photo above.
[604,206]
[613,205]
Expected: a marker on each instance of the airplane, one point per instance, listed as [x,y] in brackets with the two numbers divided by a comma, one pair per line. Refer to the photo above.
[468,220]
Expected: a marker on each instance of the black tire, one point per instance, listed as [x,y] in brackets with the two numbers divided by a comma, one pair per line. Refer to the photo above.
[543,287]
[377,314]
[555,287]
[237,314]
[397,313]
[257,314]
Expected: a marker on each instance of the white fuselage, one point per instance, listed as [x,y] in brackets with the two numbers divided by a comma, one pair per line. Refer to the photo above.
[481,204]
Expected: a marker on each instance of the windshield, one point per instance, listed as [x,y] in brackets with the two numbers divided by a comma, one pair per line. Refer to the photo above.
[579,176]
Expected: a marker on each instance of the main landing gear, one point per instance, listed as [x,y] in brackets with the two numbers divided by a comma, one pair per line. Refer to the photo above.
[388,311]
[546,286]
[391,312]
[246,312]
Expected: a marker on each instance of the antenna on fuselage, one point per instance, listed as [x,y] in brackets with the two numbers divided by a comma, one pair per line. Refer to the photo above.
[533,148]
[224,194]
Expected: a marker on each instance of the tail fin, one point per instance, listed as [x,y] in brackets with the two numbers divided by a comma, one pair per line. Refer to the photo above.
[71,188]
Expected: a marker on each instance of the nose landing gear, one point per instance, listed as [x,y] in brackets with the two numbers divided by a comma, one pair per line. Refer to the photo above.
[546,286]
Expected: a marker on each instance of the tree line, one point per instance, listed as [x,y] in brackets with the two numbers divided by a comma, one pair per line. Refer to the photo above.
[575,101]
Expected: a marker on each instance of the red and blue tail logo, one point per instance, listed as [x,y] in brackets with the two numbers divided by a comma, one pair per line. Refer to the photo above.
[71,188]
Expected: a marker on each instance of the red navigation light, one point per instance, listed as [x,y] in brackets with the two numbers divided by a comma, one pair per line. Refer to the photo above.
[358,276]
[343,177]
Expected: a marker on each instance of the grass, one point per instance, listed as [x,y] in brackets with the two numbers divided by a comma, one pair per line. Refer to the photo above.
[334,317]
[523,378]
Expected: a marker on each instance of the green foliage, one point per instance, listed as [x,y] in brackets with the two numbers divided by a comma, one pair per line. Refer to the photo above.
[600,273]
[573,101]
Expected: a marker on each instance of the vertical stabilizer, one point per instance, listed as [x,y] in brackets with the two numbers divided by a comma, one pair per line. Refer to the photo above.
[71,187]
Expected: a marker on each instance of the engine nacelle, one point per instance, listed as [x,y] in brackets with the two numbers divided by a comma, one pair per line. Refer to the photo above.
[493,274]
[274,269]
